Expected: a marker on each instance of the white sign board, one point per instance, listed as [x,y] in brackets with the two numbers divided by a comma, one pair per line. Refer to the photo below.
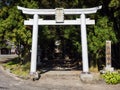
[59,15]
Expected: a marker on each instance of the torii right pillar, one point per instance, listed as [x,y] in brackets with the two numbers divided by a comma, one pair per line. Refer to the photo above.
[85,75]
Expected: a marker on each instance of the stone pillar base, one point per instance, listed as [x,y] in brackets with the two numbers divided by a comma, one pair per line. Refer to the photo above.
[107,69]
[35,76]
[111,69]
[86,77]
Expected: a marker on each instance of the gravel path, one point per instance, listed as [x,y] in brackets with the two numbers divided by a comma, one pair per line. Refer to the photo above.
[10,82]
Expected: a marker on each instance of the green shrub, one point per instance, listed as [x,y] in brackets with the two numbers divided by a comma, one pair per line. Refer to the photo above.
[111,77]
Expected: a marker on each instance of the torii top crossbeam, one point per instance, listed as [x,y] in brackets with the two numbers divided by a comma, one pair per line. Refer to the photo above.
[52,11]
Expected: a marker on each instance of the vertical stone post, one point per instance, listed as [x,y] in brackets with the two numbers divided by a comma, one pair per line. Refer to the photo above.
[108,56]
[108,53]
[84,44]
[34,45]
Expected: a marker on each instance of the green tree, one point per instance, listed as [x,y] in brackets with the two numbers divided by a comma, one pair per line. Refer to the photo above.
[11,24]
[107,25]
[111,9]
[102,31]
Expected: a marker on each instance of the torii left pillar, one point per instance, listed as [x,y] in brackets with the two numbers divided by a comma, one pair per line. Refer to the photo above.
[34,45]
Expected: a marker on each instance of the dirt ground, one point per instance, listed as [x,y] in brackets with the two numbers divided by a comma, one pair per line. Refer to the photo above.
[9,81]
[52,80]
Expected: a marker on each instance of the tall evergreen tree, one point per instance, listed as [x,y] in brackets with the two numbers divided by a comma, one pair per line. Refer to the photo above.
[107,25]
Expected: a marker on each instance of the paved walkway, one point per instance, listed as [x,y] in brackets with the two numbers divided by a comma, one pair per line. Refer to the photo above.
[7,57]
[10,82]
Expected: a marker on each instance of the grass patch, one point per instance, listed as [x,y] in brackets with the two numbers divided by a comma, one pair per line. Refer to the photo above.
[93,69]
[21,70]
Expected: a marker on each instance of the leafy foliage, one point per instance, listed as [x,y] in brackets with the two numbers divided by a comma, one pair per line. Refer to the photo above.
[12,27]
[97,38]
[111,77]
[107,26]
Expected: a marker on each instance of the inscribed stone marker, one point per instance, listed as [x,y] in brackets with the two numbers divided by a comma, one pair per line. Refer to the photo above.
[108,53]
[108,57]
[59,15]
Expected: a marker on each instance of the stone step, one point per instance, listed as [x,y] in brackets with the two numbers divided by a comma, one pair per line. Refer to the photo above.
[61,75]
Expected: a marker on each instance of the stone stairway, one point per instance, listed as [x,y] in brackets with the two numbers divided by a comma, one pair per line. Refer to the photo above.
[72,75]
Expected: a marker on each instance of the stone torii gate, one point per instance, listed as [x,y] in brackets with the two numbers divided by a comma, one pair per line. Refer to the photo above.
[59,20]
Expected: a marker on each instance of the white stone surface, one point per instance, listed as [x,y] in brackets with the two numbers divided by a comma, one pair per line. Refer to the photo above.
[84,44]
[82,21]
[52,11]
[87,78]
[53,22]
[34,45]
